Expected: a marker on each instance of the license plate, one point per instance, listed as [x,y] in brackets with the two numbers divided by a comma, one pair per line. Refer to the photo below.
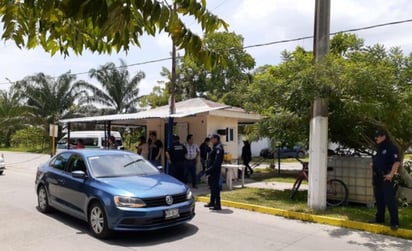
[171,213]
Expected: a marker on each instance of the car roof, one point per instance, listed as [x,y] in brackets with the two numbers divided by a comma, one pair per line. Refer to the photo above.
[98,152]
[76,134]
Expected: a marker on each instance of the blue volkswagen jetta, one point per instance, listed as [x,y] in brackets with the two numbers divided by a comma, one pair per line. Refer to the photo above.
[113,191]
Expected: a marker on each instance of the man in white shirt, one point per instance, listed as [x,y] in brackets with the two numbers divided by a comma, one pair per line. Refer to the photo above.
[191,159]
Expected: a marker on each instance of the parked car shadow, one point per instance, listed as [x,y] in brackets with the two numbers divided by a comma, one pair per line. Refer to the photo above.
[150,238]
[132,238]
[81,226]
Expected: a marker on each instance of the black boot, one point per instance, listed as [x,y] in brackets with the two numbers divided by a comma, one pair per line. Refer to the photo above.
[209,205]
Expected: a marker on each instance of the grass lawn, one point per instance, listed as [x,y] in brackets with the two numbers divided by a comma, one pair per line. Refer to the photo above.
[281,200]
[25,149]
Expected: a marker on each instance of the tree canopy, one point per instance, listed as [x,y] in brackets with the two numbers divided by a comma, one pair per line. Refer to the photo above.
[13,115]
[50,99]
[218,83]
[367,87]
[104,26]
[118,91]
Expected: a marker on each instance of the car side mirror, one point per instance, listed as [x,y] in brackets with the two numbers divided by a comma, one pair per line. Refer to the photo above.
[79,174]
[160,168]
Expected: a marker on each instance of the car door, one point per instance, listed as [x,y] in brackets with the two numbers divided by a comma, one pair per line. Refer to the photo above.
[54,178]
[74,190]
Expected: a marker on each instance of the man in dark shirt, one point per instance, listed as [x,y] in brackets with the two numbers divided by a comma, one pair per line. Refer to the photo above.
[155,150]
[214,170]
[176,159]
[385,165]
[204,154]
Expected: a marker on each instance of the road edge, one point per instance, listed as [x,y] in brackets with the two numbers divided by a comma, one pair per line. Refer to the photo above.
[374,228]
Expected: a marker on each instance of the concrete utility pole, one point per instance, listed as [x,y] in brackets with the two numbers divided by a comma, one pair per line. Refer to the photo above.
[318,138]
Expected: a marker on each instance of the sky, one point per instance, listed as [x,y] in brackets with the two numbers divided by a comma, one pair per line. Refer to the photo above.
[258,21]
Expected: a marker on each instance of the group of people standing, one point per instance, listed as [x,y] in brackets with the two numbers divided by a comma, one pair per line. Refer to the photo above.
[151,149]
[182,161]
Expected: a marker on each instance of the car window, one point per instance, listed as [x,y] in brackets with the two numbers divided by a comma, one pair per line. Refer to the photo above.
[120,165]
[60,161]
[117,141]
[76,163]
[93,142]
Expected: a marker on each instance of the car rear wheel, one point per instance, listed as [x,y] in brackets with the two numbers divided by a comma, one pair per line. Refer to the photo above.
[1,172]
[42,200]
[98,221]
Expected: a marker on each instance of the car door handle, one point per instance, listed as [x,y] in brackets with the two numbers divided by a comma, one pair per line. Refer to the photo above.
[61,181]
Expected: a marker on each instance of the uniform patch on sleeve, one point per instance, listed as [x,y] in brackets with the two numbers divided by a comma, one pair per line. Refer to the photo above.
[218,151]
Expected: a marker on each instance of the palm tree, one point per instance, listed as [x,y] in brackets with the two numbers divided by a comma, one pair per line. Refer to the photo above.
[118,92]
[51,99]
[13,114]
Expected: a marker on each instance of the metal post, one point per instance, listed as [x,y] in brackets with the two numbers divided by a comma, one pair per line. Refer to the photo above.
[318,137]
[68,136]
[172,99]
[169,140]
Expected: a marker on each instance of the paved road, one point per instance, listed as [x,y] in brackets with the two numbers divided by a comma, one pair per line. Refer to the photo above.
[22,227]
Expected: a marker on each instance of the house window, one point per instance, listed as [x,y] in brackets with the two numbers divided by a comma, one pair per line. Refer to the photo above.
[229,134]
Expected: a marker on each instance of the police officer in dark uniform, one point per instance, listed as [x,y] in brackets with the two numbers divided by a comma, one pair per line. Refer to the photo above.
[176,157]
[385,165]
[214,170]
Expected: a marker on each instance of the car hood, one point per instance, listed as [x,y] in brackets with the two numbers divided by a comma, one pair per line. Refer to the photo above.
[144,186]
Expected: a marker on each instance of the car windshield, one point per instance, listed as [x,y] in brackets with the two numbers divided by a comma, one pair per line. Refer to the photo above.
[120,165]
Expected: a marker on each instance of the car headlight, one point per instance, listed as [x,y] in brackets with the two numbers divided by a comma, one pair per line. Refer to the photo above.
[125,201]
[189,194]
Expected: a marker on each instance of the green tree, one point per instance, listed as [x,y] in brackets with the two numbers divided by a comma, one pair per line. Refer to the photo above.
[105,26]
[218,83]
[283,94]
[158,97]
[31,137]
[119,92]
[51,99]
[366,87]
[13,115]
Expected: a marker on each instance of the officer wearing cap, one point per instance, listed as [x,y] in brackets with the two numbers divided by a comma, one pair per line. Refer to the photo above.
[385,165]
[214,170]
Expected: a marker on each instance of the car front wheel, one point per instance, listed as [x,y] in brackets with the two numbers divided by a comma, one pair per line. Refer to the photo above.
[98,221]
[42,200]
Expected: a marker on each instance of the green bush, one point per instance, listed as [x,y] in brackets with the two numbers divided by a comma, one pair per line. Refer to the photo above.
[31,138]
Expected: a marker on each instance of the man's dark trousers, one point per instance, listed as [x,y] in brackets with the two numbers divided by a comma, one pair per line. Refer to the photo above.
[385,194]
[190,171]
[215,191]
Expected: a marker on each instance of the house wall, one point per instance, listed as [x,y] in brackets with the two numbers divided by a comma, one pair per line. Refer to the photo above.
[158,126]
[197,126]
[230,144]
[200,126]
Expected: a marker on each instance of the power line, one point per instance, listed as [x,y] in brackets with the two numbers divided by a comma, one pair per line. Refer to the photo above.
[268,43]
[333,33]
[135,64]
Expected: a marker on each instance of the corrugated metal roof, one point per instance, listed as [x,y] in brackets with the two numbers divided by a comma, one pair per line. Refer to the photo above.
[184,108]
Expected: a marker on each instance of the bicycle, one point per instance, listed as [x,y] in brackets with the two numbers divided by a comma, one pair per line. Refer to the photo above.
[337,191]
